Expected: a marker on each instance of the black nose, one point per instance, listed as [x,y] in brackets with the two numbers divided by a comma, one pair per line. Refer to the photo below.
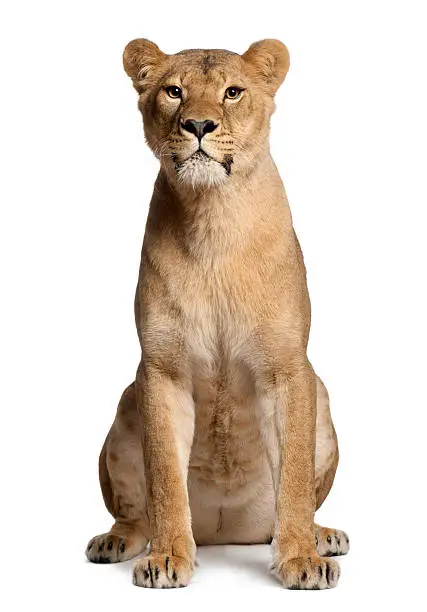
[199,128]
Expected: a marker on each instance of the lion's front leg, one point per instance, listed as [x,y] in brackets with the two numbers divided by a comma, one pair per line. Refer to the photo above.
[167,421]
[296,562]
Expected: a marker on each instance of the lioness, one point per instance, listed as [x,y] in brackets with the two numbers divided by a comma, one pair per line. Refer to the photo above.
[225,436]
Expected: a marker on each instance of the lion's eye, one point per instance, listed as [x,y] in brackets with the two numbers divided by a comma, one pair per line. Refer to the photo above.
[173,91]
[232,93]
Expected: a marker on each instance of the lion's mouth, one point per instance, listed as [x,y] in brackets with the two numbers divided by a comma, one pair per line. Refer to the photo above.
[200,157]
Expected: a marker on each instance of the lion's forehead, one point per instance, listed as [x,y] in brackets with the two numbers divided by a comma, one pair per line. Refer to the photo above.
[206,65]
[206,55]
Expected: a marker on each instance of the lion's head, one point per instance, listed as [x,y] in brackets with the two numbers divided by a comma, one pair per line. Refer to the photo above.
[206,112]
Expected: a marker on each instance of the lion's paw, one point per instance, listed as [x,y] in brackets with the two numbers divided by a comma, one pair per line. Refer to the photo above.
[331,542]
[161,571]
[112,548]
[307,573]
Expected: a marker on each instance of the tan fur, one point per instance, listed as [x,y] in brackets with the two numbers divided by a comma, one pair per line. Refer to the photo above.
[225,436]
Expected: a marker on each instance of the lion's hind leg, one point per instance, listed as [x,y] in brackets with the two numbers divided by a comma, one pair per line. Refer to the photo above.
[329,542]
[121,474]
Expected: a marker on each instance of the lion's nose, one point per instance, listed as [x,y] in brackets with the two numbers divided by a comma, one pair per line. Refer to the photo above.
[199,128]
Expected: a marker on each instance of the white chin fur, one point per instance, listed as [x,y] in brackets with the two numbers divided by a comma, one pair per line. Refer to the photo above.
[201,171]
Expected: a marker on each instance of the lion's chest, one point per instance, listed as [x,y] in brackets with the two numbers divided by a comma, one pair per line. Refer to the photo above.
[222,353]
[227,449]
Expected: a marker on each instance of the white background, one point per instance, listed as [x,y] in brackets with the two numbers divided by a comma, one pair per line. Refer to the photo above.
[349,138]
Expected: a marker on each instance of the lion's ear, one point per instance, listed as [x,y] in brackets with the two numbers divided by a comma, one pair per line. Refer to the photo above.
[140,58]
[270,61]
